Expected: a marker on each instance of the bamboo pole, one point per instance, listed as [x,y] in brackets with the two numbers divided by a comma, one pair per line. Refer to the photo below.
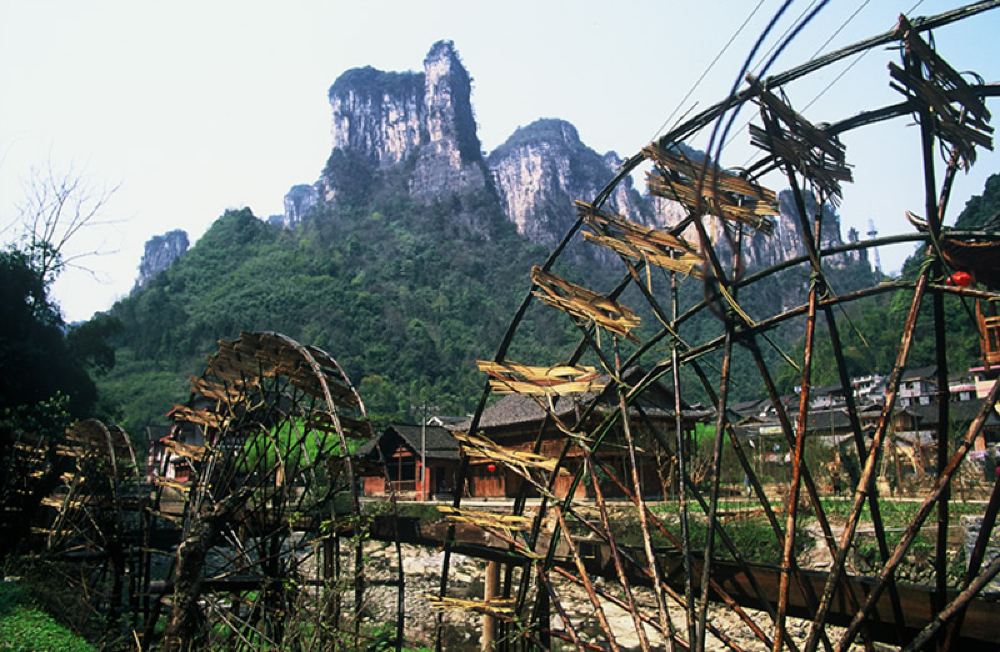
[491,580]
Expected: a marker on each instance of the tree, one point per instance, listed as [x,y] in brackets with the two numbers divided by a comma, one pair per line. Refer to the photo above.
[44,383]
[36,361]
[56,208]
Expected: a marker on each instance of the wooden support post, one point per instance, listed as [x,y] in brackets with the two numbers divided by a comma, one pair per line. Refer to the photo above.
[544,623]
[492,583]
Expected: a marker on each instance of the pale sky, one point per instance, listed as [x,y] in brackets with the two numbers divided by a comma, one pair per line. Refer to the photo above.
[196,107]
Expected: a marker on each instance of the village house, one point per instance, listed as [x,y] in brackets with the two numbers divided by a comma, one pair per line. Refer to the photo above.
[918,386]
[417,462]
[515,421]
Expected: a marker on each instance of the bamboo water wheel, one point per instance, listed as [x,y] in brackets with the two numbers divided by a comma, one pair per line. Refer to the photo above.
[635,334]
[94,521]
[259,487]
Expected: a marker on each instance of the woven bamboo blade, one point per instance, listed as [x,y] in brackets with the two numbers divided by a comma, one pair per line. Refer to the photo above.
[479,447]
[198,417]
[613,223]
[506,378]
[686,264]
[190,451]
[942,73]
[949,118]
[823,172]
[960,117]
[171,484]
[228,393]
[789,137]
[30,449]
[721,204]
[271,355]
[70,451]
[713,175]
[498,607]
[799,126]
[58,503]
[584,304]
[508,523]
[639,242]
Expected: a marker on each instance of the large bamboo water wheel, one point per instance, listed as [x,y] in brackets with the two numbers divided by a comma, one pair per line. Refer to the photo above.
[258,477]
[635,336]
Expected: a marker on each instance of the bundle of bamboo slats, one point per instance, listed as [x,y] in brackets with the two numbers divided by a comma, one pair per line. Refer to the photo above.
[703,187]
[584,304]
[507,523]
[638,242]
[479,447]
[507,377]
[497,607]
[789,137]
[960,116]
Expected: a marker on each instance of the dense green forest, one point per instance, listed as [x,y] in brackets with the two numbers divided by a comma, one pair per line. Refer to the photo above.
[873,326]
[405,295]
[408,294]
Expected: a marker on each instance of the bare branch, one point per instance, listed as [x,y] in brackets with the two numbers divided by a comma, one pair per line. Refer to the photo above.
[57,205]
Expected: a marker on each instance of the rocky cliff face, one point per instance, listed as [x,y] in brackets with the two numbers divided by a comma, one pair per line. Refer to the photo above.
[299,201]
[449,159]
[543,167]
[420,123]
[160,253]
[378,115]
[761,250]
[418,129]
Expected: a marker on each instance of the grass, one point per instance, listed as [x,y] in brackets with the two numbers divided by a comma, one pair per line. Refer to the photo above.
[26,628]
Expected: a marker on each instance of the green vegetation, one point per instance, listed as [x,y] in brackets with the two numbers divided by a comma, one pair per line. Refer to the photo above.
[45,382]
[38,364]
[982,210]
[290,442]
[405,294]
[24,627]
[871,332]
[404,308]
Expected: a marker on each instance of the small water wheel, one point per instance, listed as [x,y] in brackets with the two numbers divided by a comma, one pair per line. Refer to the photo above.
[94,527]
[259,475]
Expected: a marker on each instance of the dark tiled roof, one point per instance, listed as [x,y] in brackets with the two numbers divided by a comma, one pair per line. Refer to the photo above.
[516,409]
[750,408]
[366,449]
[919,372]
[440,445]
[438,441]
[961,412]
[820,421]
[449,422]
[824,390]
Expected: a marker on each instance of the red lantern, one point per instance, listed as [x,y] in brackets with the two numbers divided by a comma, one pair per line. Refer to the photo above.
[960,279]
[491,468]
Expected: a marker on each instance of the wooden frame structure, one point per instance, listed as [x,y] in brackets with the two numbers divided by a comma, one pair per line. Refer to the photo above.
[951,113]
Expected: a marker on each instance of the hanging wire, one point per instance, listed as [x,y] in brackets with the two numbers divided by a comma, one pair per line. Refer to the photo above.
[708,69]
[784,34]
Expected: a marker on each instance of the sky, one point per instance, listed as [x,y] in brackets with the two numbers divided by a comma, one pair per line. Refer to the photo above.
[187,109]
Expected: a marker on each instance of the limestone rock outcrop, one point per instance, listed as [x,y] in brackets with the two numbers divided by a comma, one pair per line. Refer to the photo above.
[160,253]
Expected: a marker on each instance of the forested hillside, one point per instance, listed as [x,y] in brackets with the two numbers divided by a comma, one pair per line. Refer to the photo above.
[407,258]
[871,341]
[401,292]
[393,288]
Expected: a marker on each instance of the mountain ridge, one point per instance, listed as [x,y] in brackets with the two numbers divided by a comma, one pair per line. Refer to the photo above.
[402,259]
